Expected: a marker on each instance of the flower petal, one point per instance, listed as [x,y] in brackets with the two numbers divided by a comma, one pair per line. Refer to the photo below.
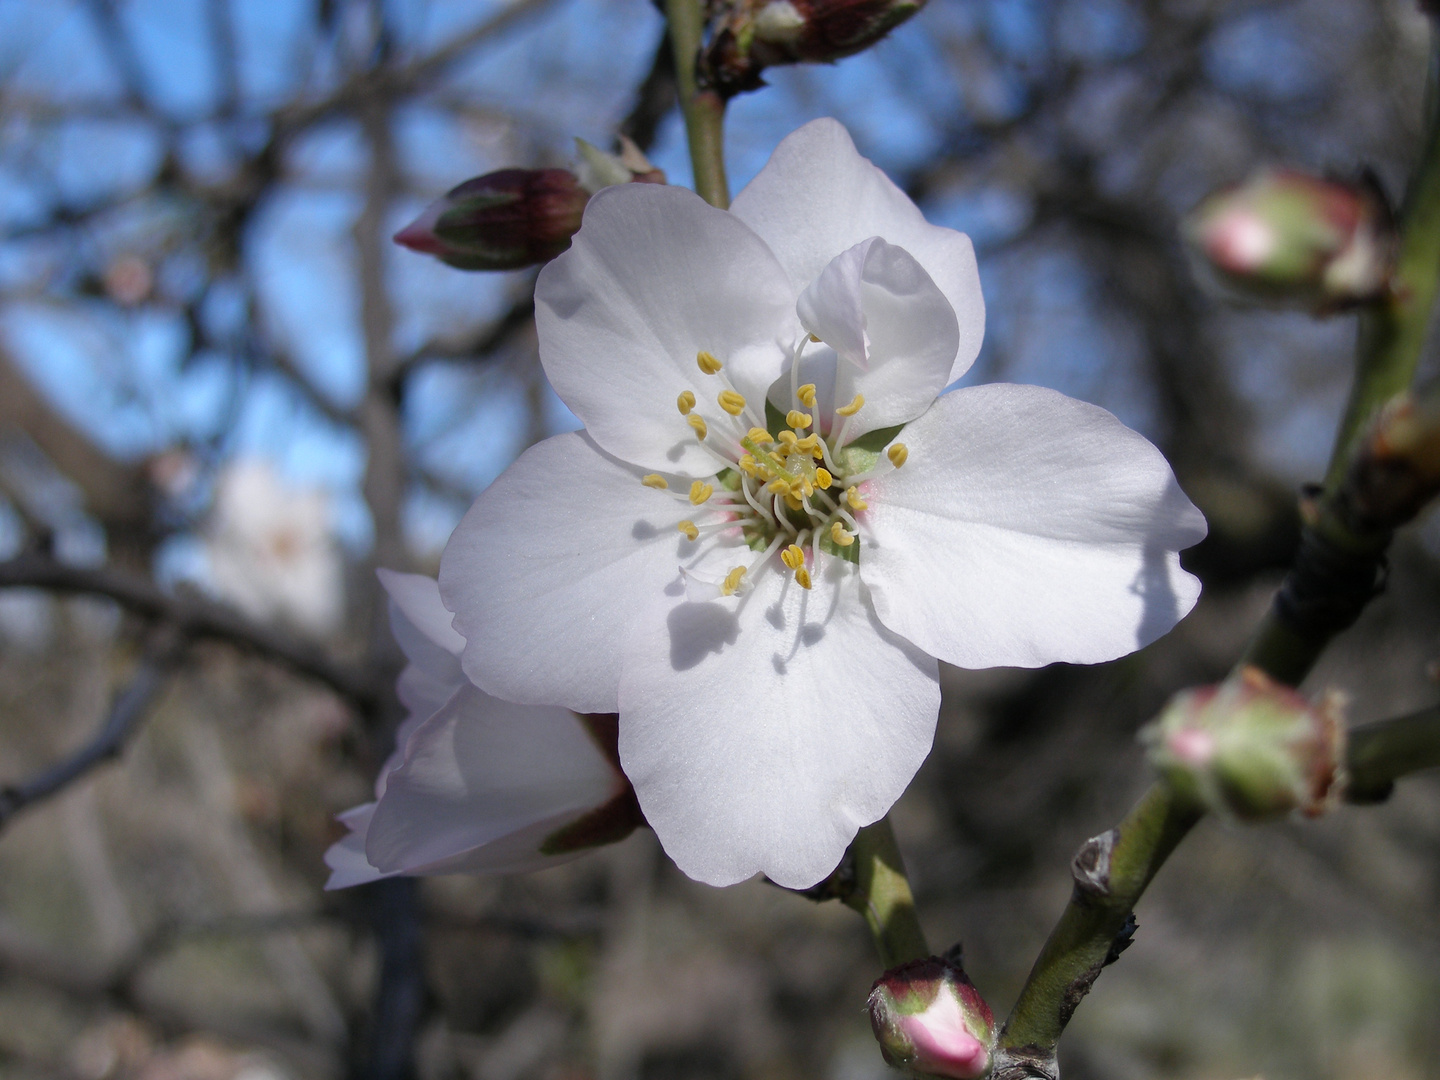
[422,627]
[760,737]
[549,567]
[481,769]
[817,196]
[653,277]
[516,853]
[893,330]
[1027,528]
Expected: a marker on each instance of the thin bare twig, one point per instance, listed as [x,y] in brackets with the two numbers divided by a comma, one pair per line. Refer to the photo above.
[126,715]
[191,616]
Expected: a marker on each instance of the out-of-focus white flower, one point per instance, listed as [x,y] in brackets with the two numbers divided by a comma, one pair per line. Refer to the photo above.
[739,553]
[271,550]
[477,785]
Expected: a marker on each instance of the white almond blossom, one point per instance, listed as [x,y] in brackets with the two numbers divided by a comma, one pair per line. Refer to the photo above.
[745,556]
[476,785]
[272,551]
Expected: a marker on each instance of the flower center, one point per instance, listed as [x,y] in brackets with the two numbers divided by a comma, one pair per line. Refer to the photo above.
[792,491]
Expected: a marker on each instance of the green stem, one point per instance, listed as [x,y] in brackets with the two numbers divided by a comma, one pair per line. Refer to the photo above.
[881,892]
[1110,873]
[1391,339]
[1380,753]
[1392,333]
[704,110]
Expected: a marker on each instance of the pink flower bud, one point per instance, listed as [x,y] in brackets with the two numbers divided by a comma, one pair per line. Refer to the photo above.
[751,35]
[930,1020]
[501,221]
[1285,237]
[1251,748]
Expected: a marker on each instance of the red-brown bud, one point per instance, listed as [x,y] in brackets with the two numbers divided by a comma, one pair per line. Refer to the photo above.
[501,221]
[748,36]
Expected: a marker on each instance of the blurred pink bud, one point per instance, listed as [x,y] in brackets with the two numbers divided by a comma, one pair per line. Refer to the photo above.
[1251,748]
[1286,237]
[752,35]
[930,1020]
[501,221]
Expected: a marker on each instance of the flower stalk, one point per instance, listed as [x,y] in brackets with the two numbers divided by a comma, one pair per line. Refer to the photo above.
[881,893]
[704,110]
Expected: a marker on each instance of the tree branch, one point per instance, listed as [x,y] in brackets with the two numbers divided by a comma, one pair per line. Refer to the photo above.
[1378,754]
[191,616]
[129,711]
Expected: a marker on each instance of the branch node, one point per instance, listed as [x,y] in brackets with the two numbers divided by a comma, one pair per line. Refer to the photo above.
[1091,866]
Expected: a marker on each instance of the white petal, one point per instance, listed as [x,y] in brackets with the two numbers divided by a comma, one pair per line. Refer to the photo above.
[479,770]
[421,626]
[346,857]
[1027,528]
[547,569]
[417,599]
[517,853]
[817,196]
[654,276]
[760,741]
[893,330]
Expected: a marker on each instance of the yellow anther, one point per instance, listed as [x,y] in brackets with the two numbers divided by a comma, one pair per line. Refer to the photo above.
[760,436]
[747,464]
[853,407]
[898,454]
[852,496]
[806,394]
[793,556]
[654,480]
[689,529]
[780,486]
[806,488]
[700,491]
[793,503]
[731,402]
[685,402]
[788,438]
[814,338]
[732,581]
[696,421]
[802,578]
[797,419]
[810,442]
[840,536]
[708,364]
[818,452]
[823,479]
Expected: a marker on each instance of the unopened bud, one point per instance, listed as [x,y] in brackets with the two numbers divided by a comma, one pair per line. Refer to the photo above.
[751,35]
[501,221]
[1251,748]
[930,1020]
[1285,237]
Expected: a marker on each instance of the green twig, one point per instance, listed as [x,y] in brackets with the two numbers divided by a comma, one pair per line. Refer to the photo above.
[704,110]
[880,891]
[1110,872]
[1393,332]
[1382,752]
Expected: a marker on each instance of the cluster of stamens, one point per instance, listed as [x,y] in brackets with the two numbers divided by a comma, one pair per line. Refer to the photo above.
[795,491]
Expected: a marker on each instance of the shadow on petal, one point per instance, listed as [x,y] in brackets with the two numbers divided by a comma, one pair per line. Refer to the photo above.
[1152,584]
[697,630]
